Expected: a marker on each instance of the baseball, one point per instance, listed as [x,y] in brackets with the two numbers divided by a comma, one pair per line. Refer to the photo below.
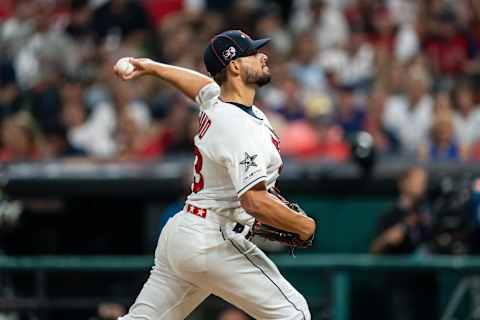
[124,67]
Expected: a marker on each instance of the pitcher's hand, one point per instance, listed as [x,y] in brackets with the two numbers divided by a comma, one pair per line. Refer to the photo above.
[141,66]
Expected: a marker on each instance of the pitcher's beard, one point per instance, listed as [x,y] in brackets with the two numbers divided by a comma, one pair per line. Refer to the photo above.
[259,80]
[263,80]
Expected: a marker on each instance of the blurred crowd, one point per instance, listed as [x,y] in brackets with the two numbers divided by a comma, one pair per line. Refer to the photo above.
[405,71]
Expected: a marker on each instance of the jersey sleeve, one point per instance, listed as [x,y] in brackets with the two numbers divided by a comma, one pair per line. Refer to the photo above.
[207,95]
[242,155]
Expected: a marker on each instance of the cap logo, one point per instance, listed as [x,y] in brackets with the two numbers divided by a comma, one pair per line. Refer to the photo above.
[229,53]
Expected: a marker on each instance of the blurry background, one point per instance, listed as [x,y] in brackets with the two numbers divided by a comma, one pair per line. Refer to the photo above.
[376,103]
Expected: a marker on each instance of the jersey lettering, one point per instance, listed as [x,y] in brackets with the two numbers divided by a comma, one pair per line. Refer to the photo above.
[204,124]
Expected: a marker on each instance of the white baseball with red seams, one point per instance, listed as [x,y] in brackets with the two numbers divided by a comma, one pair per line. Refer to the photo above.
[124,66]
[201,250]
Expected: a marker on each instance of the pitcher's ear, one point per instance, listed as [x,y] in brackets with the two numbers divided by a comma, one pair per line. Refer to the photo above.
[234,66]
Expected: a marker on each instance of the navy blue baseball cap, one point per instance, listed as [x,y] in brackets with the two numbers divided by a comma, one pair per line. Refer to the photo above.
[227,46]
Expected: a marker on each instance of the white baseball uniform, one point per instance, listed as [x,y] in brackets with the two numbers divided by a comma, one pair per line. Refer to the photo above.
[202,250]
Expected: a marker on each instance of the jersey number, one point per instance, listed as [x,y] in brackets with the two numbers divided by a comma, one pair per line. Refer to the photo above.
[197,177]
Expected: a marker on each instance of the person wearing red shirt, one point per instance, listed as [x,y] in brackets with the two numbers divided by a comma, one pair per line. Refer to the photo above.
[447,48]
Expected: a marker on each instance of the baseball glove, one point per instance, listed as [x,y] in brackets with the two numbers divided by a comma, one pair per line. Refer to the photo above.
[290,239]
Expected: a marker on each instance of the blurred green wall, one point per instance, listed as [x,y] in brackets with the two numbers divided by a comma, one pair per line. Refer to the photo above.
[344,224]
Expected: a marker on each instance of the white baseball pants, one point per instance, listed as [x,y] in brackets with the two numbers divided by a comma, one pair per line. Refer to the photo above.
[196,257]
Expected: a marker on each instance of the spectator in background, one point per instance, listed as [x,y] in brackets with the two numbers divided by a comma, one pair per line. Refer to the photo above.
[18,28]
[19,140]
[409,115]
[304,65]
[384,140]
[87,129]
[348,114]
[466,117]
[446,48]
[406,229]
[354,63]
[442,144]
[41,59]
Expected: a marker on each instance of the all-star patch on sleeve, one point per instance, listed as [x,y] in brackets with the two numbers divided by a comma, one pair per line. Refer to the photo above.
[241,153]
[246,168]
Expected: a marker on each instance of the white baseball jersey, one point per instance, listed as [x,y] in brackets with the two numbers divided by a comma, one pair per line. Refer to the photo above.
[235,149]
[199,255]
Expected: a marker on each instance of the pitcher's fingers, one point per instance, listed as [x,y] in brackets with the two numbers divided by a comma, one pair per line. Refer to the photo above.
[132,75]
[137,63]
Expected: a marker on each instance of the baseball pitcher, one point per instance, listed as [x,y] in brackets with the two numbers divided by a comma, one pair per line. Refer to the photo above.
[206,249]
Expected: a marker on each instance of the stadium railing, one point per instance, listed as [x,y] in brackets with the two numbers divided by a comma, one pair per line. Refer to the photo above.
[339,265]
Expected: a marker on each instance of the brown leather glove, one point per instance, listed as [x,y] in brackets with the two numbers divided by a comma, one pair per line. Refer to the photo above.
[292,240]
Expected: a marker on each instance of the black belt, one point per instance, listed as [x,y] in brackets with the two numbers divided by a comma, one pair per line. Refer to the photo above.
[238,228]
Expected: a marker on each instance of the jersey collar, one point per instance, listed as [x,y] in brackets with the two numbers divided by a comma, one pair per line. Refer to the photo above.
[245,108]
